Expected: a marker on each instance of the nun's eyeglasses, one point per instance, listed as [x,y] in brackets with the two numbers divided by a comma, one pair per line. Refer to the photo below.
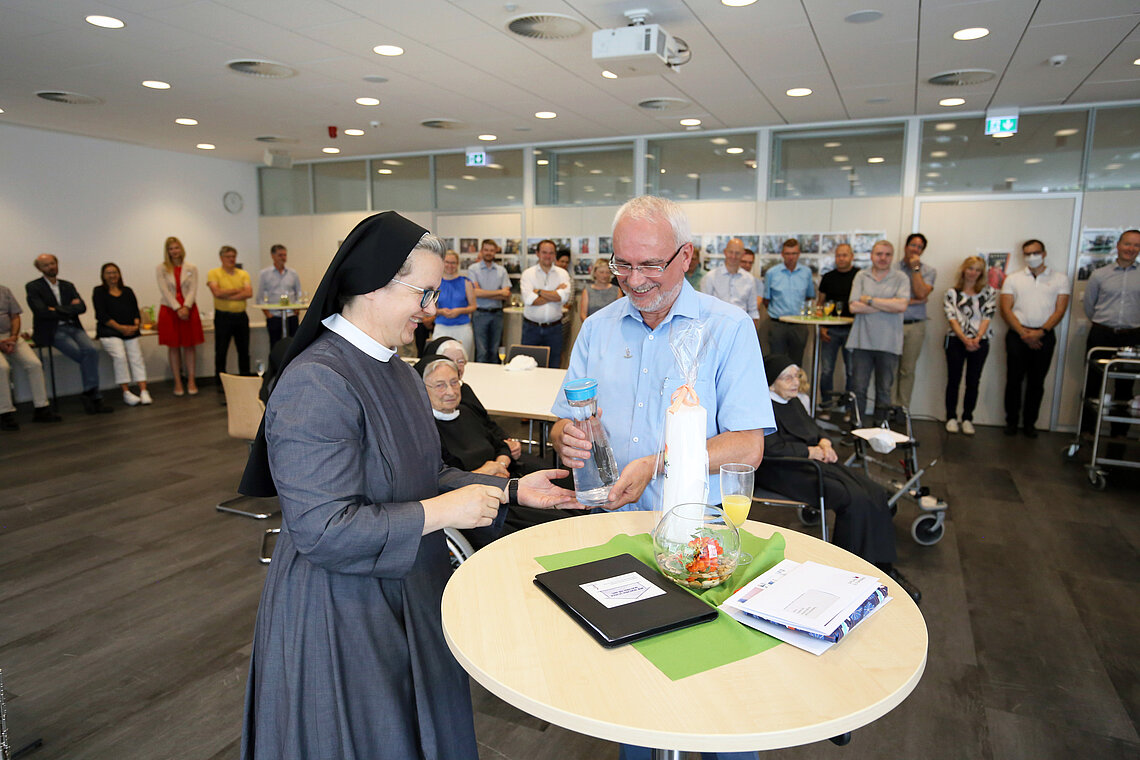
[429,295]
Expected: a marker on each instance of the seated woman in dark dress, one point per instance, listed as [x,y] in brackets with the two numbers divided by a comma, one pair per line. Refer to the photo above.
[453,349]
[467,442]
[862,516]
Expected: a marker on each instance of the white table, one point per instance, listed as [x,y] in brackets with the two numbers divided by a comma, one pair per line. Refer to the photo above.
[524,649]
[527,394]
[816,323]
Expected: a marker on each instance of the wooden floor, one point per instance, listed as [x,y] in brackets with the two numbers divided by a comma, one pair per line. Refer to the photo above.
[127,602]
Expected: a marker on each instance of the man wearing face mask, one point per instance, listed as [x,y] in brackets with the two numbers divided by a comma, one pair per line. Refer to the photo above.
[1033,302]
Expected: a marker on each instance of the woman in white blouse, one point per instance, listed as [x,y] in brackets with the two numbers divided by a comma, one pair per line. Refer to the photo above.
[969,307]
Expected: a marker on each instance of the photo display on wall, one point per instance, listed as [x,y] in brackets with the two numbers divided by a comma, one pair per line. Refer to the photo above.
[1097,248]
[817,249]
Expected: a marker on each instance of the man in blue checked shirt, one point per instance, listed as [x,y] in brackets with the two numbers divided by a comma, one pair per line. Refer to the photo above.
[786,287]
[625,347]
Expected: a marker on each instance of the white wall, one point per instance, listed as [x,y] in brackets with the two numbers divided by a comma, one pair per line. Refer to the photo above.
[91,201]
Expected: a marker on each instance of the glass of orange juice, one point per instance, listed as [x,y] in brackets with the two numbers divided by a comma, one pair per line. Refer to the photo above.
[736,488]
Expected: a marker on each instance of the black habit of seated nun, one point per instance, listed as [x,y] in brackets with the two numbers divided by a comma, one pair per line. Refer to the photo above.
[367,260]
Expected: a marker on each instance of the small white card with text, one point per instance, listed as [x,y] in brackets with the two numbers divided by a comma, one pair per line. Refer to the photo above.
[622,589]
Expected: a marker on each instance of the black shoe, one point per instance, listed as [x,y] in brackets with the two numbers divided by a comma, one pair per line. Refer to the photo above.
[8,421]
[45,414]
[908,588]
[1029,432]
[94,405]
[1010,430]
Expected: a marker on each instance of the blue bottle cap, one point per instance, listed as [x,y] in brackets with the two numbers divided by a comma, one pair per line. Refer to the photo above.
[582,389]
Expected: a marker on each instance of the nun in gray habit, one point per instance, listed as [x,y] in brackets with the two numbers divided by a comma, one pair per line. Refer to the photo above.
[349,660]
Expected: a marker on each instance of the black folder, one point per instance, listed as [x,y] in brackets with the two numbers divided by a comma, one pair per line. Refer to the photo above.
[613,626]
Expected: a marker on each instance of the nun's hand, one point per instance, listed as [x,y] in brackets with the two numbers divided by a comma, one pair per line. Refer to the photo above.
[474,506]
[536,490]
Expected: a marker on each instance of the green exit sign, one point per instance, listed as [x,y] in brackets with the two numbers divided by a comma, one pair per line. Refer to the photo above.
[476,158]
[1001,124]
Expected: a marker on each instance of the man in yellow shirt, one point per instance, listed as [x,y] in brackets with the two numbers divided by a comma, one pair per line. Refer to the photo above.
[231,287]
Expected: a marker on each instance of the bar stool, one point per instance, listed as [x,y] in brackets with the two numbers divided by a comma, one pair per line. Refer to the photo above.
[51,371]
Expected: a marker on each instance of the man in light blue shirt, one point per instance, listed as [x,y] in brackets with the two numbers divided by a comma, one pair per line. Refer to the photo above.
[272,283]
[492,291]
[625,347]
[786,287]
[731,283]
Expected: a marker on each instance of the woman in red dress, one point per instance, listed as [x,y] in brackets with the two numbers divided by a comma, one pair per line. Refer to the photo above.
[179,326]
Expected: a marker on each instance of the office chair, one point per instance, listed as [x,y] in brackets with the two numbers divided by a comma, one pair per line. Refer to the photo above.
[243,414]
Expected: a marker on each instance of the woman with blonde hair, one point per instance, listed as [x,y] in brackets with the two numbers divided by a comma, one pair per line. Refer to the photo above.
[969,307]
[601,293]
[179,326]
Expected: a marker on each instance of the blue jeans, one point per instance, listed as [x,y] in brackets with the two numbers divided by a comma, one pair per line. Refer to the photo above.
[828,353]
[551,335]
[884,365]
[632,752]
[73,343]
[488,326]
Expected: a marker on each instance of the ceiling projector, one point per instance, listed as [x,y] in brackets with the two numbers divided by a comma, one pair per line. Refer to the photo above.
[638,50]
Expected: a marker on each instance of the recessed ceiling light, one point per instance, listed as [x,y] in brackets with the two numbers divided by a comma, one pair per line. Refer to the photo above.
[392,162]
[542,162]
[690,122]
[559,183]
[832,144]
[1033,160]
[1000,135]
[933,174]
[494,166]
[330,150]
[469,177]
[662,171]
[719,141]
[840,159]
[511,197]
[186,122]
[725,189]
[846,168]
[383,171]
[388,50]
[354,132]
[449,187]
[1065,132]
[205,146]
[973,33]
[368,101]
[1136,62]
[625,180]
[595,171]
[946,126]
[545,115]
[106,22]
[488,138]
[154,84]
[876,160]
[1113,167]
[798,92]
[938,154]
[950,102]
[1011,180]
[694,175]
[1,110]
[750,164]
[736,3]
[734,151]
[609,75]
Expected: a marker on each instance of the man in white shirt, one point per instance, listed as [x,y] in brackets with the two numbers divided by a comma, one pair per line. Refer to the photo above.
[732,284]
[273,283]
[544,288]
[1033,302]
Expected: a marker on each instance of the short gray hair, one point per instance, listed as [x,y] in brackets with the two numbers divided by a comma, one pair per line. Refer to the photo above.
[434,365]
[428,243]
[653,208]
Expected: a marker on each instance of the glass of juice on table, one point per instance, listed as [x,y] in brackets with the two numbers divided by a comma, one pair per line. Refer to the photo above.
[736,488]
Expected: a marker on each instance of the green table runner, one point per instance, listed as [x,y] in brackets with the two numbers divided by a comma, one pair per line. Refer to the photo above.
[682,653]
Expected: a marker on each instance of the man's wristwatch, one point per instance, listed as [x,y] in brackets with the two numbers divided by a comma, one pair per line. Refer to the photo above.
[513,491]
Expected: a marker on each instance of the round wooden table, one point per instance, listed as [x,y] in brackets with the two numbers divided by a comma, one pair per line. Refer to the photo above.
[512,639]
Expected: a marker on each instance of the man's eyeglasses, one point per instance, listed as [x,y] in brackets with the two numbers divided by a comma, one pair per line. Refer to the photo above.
[429,295]
[623,269]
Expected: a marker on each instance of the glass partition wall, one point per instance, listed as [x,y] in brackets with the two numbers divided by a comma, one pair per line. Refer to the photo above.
[1053,151]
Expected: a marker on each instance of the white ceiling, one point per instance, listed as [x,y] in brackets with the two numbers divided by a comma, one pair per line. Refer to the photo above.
[462,63]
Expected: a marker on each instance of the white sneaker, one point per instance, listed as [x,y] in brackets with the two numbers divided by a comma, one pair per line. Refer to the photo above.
[951,425]
[967,427]
[130,399]
[145,398]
